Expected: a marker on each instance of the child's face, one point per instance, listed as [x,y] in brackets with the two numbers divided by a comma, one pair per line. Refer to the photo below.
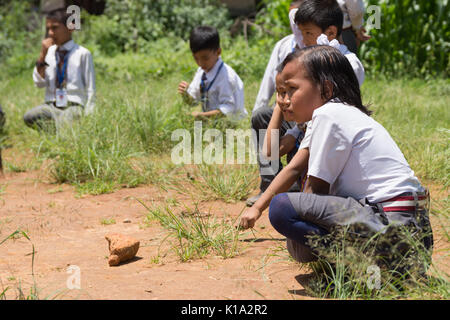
[303,94]
[206,59]
[311,32]
[58,31]
[282,100]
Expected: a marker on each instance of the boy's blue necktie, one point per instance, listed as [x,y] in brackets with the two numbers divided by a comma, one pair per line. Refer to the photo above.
[61,55]
[203,91]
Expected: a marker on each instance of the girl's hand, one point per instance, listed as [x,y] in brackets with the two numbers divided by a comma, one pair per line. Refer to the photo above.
[249,218]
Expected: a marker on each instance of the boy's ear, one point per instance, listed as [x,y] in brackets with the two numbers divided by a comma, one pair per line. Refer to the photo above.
[331,33]
[219,51]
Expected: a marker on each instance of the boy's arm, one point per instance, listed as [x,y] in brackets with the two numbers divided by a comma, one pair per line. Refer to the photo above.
[282,182]
[356,10]
[267,87]
[41,64]
[286,143]
[89,76]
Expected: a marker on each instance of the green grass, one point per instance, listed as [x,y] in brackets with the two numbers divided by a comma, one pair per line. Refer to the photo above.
[195,234]
[107,222]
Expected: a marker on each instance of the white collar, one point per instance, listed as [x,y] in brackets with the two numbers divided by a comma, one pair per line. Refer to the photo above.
[67,45]
[212,73]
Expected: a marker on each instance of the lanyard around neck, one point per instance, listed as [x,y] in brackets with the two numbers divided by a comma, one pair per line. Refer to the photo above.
[202,83]
[61,73]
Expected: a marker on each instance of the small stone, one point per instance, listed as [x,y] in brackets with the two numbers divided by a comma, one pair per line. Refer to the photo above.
[121,248]
[127,220]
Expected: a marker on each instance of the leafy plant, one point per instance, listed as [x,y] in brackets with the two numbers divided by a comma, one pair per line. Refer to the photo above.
[413,39]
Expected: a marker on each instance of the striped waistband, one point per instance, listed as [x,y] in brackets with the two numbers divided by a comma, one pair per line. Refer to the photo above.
[406,202]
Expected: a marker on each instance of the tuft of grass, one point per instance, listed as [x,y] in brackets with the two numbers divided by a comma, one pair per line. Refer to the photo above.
[375,268]
[107,222]
[196,235]
[230,183]
[33,291]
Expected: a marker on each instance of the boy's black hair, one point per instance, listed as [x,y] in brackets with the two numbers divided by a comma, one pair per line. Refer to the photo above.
[322,13]
[325,63]
[59,15]
[204,37]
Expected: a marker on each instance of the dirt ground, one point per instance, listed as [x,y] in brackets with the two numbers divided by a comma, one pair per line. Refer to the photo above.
[67,230]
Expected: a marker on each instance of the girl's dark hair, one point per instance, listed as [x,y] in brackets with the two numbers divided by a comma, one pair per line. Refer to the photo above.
[322,13]
[204,37]
[325,63]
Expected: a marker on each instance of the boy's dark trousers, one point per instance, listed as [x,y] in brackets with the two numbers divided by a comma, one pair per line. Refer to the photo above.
[260,121]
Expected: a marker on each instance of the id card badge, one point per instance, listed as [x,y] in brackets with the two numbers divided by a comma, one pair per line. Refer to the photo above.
[61,97]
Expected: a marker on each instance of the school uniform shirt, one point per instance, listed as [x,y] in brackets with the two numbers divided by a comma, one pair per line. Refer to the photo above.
[80,76]
[295,30]
[297,132]
[351,57]
[356,155]
[353,11]
[279,53]
[226,93]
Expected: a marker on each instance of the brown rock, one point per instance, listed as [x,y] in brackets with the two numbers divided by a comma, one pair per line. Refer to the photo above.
[121,248]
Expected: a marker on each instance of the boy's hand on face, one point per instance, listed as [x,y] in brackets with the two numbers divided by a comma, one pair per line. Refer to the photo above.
[182,87]
[46,43]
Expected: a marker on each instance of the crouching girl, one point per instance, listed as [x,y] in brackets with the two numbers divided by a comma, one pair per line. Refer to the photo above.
[357,175]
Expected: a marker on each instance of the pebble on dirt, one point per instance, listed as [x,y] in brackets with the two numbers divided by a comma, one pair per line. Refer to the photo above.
[121,248]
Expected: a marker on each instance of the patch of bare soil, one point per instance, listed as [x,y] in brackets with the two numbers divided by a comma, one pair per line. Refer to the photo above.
[68,231]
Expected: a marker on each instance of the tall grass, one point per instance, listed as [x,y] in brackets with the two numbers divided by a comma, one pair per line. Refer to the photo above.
[377,268]
[412,39]
[34,292]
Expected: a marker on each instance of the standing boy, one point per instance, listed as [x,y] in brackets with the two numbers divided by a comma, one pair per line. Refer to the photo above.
[66,70]
[215,85]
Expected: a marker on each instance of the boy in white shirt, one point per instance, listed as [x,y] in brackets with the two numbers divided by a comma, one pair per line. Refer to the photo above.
[215,85]
[262,112]
[353,31]
[66,70]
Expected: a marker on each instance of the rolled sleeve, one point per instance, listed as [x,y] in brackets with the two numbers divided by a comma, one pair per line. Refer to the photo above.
[194,87]
[38,80]
[356,11]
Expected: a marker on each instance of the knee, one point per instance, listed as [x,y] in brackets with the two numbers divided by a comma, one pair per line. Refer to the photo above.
[261,117]
[278,208]
[27,119]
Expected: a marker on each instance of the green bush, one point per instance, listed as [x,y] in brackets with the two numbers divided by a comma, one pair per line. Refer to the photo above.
[130,25]
[413,39]
[20,33]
